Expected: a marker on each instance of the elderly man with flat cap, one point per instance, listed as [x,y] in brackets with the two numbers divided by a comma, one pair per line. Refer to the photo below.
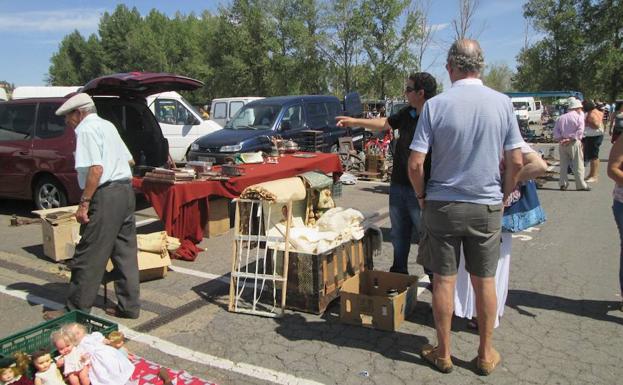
[105,212]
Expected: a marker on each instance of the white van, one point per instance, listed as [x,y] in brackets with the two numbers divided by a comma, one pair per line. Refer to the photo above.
[533,107]
[181,123]
[27,92]
[223,109]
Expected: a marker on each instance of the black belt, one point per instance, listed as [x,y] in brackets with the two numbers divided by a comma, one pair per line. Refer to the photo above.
[114,182]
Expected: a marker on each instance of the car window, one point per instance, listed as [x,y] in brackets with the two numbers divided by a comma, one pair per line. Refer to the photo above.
[171,112]
[317,115]
[333,110]
[234,107]
[49,125]
[258,117]
[16,121]
[220,111]
[293,116]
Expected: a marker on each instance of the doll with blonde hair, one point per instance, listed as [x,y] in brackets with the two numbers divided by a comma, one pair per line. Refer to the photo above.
[108,366]
[73,359]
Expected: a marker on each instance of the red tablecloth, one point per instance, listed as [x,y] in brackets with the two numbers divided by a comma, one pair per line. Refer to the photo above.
[183,207]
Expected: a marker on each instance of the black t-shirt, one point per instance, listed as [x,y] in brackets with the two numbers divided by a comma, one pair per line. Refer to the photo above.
[405,123]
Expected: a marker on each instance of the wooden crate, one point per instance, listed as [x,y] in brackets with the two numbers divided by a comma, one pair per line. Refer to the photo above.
[314,280]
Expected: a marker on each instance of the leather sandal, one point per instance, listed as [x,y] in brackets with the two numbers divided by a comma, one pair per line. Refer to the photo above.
[118,313]
[431,354]
[485,368]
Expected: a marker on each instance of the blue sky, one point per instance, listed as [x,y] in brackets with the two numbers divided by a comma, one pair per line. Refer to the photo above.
[31,30]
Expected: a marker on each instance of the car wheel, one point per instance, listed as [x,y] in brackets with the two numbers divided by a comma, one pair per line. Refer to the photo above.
[49,194]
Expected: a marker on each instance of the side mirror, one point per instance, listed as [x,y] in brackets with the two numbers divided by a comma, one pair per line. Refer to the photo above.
[285,126]
[191,120]
[529,108]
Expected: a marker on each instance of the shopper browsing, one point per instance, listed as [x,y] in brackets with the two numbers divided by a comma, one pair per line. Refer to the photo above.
[469,128]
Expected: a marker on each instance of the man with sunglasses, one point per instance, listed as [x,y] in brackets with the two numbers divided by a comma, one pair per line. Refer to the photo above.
[404,211]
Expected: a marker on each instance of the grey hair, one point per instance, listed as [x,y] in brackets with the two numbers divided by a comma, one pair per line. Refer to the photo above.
[466,56]
[89,110]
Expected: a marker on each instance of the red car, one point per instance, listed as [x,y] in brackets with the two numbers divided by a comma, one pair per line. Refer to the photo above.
[37,150]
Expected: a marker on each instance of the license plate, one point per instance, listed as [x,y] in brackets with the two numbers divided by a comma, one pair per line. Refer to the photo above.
[358,137]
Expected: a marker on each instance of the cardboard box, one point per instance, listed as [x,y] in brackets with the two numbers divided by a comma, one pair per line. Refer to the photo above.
[60,232]
[218,217]
[153,257]
[367,299]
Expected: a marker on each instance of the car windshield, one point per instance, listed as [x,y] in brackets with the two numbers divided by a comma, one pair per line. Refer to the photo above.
[520,105]
[257,117]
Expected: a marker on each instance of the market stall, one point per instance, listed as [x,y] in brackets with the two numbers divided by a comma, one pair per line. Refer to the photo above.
[184,207]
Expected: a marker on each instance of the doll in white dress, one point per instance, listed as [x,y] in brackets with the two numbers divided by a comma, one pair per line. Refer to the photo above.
[73,359]
[108,366]
[47,371]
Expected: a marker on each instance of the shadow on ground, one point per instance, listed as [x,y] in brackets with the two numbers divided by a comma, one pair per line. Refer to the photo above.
[597,310]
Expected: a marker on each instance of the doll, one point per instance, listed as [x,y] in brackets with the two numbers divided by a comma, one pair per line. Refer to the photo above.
[108,366]
[73,360]
[116,339]
[14,376]
[47,371]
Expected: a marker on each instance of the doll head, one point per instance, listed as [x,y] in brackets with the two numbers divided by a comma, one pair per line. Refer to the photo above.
[117,339]
[75,332]
[62,341]
[42,360]
[7,374]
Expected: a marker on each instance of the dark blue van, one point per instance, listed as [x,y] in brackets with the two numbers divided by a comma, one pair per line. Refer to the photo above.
[289,117]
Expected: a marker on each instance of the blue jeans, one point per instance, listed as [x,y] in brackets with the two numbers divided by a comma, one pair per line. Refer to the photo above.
[404,214]
[617,210]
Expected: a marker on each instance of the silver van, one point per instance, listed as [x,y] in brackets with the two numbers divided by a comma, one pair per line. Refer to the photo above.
[223,109]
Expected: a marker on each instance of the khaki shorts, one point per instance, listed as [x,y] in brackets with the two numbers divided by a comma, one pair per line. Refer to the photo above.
[449,225]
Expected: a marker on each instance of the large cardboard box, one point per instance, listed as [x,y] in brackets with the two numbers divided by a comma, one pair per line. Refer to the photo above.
[378,299]
[218,217]
[60,232]
[153,257]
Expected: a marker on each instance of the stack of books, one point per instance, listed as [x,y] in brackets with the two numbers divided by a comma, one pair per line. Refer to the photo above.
[170,176]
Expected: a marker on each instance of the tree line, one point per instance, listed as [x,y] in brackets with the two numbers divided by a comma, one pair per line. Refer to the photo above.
[285,47]
[256,47]
[581,48]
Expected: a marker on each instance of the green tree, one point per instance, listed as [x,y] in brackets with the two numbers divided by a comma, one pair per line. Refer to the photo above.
[498,76]
[77,61]
[343,43]
[603,26]
[114,31]
[558,60]
[388,48]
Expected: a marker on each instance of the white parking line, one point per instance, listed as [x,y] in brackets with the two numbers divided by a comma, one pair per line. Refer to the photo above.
[172,349]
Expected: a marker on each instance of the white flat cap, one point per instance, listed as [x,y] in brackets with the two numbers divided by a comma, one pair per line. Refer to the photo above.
[77,101]
[574,103]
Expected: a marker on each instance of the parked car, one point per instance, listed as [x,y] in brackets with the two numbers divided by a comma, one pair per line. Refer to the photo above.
[289,117]
[533,108]
[180,122]
[223,109]
[37,150]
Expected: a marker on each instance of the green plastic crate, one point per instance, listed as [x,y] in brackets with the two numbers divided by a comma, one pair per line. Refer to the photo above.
[39,336]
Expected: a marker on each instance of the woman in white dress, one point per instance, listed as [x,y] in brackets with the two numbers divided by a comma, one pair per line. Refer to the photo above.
[464,297]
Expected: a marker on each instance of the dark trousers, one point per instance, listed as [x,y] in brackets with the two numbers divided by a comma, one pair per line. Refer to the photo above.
[110,233]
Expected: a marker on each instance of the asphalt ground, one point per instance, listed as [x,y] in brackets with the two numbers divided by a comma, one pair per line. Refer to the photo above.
[562,323]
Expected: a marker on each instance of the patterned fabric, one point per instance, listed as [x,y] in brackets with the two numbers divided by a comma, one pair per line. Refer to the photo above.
[146,373]
[525,210]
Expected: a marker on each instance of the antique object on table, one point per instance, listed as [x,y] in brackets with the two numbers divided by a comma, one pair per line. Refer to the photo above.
[199,166]
[231,170]
[290,147]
